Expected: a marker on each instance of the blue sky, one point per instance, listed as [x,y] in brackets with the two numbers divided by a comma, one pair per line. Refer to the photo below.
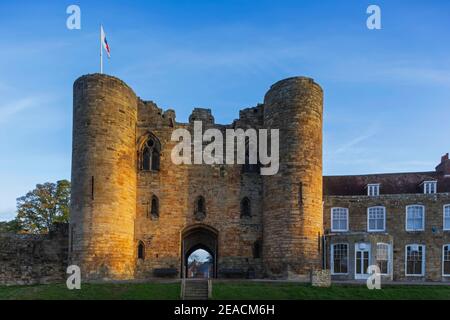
[386,92]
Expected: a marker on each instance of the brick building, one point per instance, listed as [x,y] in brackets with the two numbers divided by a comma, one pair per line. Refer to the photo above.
[135,214]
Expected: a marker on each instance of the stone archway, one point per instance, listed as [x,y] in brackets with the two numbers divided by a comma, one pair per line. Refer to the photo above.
[199,237]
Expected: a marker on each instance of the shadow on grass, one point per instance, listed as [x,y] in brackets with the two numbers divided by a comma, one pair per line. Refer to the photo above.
[273,291]
[141,291]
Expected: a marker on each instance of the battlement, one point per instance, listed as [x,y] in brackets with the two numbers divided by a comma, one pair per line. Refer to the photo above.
[201,114]
[100,78]
[150,114]
[294,80]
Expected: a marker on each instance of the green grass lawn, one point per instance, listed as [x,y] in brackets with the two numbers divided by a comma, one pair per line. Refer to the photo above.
[221,291]
[122,291]
[290,291]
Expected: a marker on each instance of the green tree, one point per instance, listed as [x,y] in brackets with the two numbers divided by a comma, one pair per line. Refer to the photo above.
[12,226]
[45,205]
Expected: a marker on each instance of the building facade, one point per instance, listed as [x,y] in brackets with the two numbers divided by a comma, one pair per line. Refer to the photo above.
[400,222]
[135,214]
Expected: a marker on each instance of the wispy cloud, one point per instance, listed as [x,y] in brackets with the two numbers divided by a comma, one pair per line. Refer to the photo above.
[397,70]
[352,143]
[258,57]
[417,74]
[10,109]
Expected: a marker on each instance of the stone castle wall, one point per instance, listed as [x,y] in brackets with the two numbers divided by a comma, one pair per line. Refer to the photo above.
[34,259]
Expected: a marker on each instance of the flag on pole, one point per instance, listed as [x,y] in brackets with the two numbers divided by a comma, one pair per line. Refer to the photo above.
[105,43]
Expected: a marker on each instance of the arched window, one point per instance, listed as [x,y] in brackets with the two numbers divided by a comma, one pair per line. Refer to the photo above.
[141,251]
[257,248]
[150,155]
[155,207]
[246,210]
[223,172]
[200,209]
[200,205]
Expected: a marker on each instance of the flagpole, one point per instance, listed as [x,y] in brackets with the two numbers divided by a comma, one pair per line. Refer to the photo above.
[101,50]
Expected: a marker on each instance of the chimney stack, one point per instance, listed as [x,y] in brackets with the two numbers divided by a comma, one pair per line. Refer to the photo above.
[444,166]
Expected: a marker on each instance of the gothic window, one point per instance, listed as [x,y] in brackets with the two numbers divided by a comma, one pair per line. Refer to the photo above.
[200,205]
[246,211]
[154,211]
[150,155]
[200,209]
[257,250]
[223,172]
[141,251]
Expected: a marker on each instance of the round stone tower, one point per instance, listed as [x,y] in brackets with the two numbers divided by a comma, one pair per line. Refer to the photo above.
[103,202]
[292,205]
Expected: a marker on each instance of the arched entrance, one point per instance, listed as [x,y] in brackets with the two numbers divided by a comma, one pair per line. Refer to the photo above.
[195,238]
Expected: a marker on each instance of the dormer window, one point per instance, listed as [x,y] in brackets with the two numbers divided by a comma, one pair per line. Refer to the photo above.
[373,190]
[430,187]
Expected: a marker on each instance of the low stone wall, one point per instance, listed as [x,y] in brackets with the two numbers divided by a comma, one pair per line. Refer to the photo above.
[34,259]
[321,278]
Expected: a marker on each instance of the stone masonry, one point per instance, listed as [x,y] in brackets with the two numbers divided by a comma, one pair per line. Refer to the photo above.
[434,237]
[34,259]
[115,234]
[397,193]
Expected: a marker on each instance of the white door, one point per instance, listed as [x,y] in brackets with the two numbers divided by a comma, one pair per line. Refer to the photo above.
[362,260]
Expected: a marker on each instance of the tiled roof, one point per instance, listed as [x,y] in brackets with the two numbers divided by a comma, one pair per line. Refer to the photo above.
[393,183]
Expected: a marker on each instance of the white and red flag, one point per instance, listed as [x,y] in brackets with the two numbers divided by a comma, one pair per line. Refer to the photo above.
[105,43]
[103,46]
